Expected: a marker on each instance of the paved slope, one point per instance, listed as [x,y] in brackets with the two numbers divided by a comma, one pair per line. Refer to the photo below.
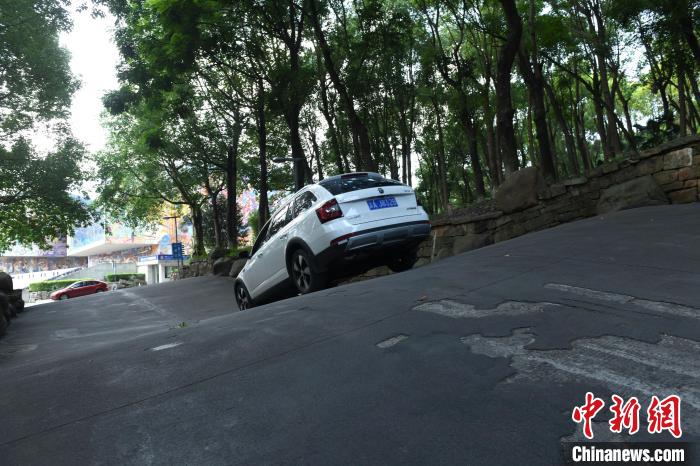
[477,359]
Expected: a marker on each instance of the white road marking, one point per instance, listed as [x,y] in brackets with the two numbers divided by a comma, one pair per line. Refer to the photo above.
[389,342]
[168,346]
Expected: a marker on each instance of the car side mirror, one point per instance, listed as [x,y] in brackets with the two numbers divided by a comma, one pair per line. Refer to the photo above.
[244,255]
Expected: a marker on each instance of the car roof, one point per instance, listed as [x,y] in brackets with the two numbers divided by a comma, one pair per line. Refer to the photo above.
[337,177]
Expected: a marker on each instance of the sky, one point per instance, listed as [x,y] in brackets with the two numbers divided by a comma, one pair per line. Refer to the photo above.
[94,58]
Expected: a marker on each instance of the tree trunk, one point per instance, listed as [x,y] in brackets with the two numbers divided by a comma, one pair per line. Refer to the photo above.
[327,115]
[198,224]
[263,207]
[491,149]
[607,96]
[504,105]
[358,128]
[231,191]
[216,217]
[535,86]
[442,173]
[682,114]
[317,154]
[470,129]
[688,31]
[568,137]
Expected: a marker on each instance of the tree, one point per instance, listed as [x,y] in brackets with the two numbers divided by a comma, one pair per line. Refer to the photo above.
[35,80]
[36,206]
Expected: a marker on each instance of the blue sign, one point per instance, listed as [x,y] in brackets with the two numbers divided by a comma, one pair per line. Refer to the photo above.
[177,250]
[161,257]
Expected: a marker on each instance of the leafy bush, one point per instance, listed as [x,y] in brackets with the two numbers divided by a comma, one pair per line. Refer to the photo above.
[53,285]
[115,277]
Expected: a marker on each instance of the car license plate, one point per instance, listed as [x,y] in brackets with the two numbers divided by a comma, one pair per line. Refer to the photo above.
[382,203]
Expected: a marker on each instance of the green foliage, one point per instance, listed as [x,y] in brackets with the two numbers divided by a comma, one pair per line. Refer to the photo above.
[35,204]
[53,285]
[115,277]
[417,78]
[35,79]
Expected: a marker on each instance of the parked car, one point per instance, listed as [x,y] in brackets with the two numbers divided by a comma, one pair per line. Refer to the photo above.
[341,226]
[80,289]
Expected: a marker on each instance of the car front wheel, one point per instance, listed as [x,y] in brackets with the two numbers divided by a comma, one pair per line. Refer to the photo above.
[63,296]
[243,298]
[403,261]
[304,275]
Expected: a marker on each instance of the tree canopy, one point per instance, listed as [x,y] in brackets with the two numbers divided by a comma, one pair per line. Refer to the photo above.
[450,95]
[36,86]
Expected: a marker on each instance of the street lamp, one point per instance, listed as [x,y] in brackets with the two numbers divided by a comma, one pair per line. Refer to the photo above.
[298,169]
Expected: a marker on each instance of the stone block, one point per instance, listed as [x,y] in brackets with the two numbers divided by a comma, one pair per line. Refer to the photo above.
[236,267]
[690,183]
[674,186]
[469,242]
[649,166]
[684,196]
[666,177]
[477,227]
[443,253]
[689,173]
[679,158]
[639,192]
[575,181]
[520,190]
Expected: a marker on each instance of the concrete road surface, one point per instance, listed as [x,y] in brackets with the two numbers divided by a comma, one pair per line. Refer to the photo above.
[476,359]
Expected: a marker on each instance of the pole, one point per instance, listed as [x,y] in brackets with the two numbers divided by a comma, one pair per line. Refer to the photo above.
[298,172]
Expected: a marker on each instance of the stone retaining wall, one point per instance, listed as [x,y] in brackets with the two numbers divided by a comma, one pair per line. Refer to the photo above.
[667,173]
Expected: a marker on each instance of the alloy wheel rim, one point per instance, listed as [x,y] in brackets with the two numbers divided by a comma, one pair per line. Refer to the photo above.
[302,273]
[242,298]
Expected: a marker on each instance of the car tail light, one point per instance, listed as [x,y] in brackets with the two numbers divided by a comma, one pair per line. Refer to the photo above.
[329,211]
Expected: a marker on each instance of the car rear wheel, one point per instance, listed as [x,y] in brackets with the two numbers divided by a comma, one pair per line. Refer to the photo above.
[304,275]
[403,261]
[243,298]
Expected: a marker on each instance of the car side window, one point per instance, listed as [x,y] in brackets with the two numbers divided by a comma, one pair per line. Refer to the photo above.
[278,222]
[302,203]
[260,240]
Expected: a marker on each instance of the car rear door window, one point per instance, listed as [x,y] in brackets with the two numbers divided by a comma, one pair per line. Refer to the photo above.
[302,203]
[279,220]
[355,182]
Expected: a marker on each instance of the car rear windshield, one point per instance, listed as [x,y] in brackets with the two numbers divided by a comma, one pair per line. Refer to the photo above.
[355,182]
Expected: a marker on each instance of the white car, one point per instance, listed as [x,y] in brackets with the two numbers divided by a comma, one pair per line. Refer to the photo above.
[340,226]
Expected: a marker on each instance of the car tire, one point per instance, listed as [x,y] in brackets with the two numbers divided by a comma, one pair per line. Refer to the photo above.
[403,261]
[63,297]
[243,299]
[304,273]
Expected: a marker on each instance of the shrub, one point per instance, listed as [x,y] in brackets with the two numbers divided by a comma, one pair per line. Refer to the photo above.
[115,277]
[53,285]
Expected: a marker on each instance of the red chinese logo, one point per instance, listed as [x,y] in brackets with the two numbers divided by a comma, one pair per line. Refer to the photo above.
[625,415]
[587,412]
[661,415]
[665,415]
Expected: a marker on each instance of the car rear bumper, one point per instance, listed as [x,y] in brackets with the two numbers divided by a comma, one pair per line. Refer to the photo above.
[389,238]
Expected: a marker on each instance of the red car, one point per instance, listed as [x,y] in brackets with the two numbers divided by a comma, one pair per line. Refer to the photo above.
[80,289]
